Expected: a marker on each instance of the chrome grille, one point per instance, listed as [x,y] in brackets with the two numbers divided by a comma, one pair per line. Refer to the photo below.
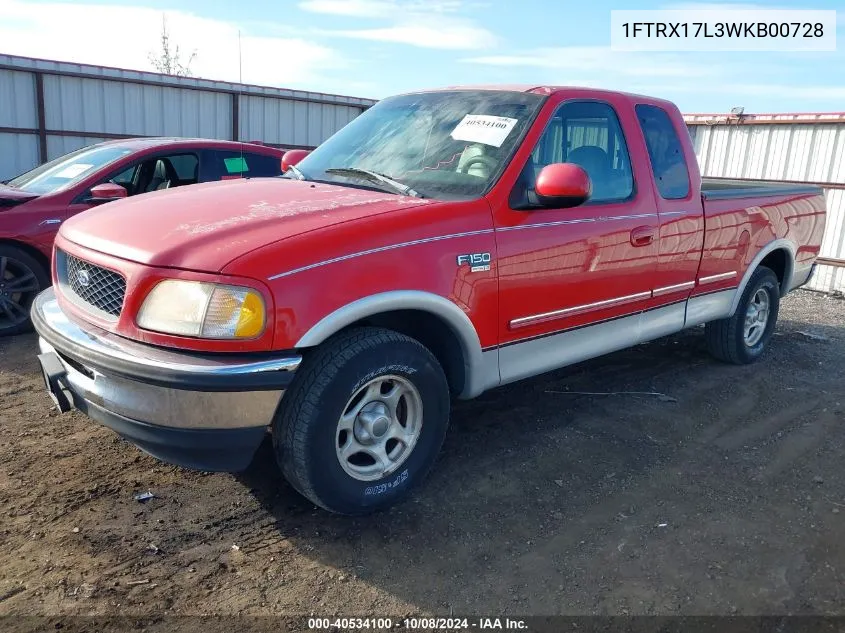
[99,287]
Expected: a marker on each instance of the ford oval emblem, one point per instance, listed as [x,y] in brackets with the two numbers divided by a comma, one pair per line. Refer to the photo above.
[83,278]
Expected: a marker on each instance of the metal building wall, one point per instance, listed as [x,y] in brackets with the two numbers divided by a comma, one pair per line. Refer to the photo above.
[17,110]
[291,123]
[50,108]
[807,148]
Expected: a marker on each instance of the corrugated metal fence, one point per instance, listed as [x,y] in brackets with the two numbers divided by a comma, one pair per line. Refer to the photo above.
[49,108]
[806,148]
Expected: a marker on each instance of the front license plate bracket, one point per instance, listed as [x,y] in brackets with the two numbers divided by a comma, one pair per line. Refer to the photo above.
[54,374]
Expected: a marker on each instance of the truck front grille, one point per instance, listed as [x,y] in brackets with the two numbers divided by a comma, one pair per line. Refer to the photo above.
[93,285]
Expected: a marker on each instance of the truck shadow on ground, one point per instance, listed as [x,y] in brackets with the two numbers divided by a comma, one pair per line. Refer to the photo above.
[548,498]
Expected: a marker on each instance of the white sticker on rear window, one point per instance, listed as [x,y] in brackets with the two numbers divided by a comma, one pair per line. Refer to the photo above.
[484,128]
[72,171]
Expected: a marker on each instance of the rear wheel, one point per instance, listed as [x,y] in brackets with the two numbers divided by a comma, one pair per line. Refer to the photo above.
[363,422]
[742,338]
[22,277]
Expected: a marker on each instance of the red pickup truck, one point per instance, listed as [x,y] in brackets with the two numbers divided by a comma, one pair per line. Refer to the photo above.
[441,244]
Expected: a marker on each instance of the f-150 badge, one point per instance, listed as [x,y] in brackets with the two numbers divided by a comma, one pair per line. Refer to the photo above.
[478,262]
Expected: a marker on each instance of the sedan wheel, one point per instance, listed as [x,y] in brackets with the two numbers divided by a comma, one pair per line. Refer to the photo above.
[21,279]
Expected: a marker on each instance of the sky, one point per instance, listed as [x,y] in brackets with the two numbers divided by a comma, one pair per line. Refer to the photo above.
[375,48]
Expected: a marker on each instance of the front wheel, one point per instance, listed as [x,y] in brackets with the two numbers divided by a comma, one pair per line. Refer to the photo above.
[22,277]
[742,338]
[363,422]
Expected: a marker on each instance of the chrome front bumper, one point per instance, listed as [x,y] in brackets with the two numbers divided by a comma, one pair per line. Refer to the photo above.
[202,411]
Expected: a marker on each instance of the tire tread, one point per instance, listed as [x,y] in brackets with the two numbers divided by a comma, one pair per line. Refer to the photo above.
[722,335]
[41,274]
[302,399]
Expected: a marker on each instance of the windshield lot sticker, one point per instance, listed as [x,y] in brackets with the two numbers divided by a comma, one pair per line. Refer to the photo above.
[483,128]
[72,171]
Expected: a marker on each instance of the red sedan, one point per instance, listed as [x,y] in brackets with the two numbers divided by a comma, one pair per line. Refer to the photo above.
[34,205]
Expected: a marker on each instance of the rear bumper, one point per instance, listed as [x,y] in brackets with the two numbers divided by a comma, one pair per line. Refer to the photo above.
[208,412]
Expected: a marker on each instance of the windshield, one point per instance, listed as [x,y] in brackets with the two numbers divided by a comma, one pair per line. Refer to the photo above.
[451,145]
[68,169]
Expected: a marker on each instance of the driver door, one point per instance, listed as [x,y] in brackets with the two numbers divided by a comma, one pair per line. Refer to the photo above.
[562,272]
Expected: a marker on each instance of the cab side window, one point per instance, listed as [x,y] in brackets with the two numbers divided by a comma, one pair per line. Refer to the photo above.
[166,172]
[665,152]
[126,178]
[233,164]
[587,133]
[186,168]
[159,172]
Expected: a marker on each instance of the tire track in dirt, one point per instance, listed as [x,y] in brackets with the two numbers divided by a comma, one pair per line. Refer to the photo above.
[749,431]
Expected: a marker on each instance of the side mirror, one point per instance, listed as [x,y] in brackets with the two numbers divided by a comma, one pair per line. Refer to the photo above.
[292,157]
[563,185]
[107,192]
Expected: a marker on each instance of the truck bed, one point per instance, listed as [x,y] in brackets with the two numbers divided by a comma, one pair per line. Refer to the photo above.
[724,188]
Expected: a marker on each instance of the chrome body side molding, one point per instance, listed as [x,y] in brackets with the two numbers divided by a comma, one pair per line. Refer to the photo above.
[665,290]
[598,305]
[503,364]
[711,279]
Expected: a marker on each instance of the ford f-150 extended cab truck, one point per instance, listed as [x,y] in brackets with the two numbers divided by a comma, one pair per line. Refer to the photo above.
[441,244]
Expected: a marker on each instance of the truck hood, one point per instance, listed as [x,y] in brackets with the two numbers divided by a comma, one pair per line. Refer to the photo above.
[204,227]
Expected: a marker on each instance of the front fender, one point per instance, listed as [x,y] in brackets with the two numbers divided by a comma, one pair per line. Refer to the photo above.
[482,372]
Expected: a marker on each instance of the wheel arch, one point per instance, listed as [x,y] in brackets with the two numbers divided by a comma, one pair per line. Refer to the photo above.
[782,253]
[30,250]
[434,320]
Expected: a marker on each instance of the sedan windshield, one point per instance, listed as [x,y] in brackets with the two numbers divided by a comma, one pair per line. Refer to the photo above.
[451,145]
[69,169]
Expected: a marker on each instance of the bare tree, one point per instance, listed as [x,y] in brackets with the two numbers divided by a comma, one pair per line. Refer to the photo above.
[168,59]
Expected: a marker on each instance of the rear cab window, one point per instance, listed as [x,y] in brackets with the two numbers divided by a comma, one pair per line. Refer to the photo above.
[665,152]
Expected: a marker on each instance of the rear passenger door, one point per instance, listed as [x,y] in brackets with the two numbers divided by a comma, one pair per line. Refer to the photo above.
[679,205]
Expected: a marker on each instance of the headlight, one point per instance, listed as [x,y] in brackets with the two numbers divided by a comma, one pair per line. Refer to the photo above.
[206,310]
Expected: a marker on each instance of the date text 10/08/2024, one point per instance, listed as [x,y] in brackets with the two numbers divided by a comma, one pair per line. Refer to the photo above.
[418,624]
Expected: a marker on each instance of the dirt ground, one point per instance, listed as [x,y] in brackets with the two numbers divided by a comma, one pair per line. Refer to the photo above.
[726,496]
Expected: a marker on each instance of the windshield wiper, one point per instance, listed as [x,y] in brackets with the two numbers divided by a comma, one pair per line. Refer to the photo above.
[374,176]
[295,171]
